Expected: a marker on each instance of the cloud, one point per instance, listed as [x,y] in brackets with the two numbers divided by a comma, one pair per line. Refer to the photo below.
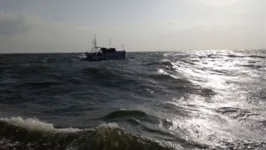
[27,33]
[44,35]
[13,24]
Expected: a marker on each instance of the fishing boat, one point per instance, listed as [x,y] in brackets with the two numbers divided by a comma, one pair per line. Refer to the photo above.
[102,53]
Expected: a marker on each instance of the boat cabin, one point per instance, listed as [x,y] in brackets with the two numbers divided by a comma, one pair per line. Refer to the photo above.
[106,50]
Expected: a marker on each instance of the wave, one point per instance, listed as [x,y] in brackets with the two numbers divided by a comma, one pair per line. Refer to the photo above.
[126,113]
[104,77]
[205,92]
[172,82]
[39,84]
[166,63]
[103,73]
[35,68]
[163,75]
[19,133]
[184,111]
[13,98]
[251,56]
[244,145]
[98,71]
[236,113]
[34,124]
[256,56]
[252,66]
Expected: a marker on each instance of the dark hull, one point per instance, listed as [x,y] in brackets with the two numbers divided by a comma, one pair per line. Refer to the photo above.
[118,55]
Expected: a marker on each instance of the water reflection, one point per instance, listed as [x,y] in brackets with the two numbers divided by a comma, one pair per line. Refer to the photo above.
[235,112]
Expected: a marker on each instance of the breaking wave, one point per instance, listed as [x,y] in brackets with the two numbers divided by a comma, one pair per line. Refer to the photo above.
[19,133]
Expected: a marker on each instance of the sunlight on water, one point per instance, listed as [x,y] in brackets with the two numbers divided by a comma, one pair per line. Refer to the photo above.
[222,116]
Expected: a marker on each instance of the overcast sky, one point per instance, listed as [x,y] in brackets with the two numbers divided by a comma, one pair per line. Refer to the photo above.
[141,25]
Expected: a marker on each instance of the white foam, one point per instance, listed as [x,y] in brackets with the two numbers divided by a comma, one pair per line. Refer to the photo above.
[108,125]
[161,71]
[35,124]
[7,144]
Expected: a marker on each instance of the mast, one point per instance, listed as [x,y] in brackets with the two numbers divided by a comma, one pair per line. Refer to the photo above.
[109,42]
[94,44]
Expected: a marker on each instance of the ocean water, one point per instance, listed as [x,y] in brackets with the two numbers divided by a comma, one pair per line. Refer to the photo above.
[152,100]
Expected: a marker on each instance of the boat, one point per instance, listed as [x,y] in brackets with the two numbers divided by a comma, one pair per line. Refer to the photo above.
[102,53]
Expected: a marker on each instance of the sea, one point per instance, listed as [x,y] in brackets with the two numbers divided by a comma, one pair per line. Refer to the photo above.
[193,99]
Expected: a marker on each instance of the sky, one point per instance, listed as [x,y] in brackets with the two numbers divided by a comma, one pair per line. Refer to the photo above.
[36,26]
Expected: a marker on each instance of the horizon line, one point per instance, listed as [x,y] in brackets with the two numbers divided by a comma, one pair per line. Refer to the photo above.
[10,53]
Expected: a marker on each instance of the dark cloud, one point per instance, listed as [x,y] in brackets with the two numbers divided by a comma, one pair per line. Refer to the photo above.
[13,24]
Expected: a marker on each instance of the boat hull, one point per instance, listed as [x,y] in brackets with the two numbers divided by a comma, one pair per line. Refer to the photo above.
[118,55]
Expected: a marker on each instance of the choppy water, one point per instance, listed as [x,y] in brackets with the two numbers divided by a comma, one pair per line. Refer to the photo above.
[167,100]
